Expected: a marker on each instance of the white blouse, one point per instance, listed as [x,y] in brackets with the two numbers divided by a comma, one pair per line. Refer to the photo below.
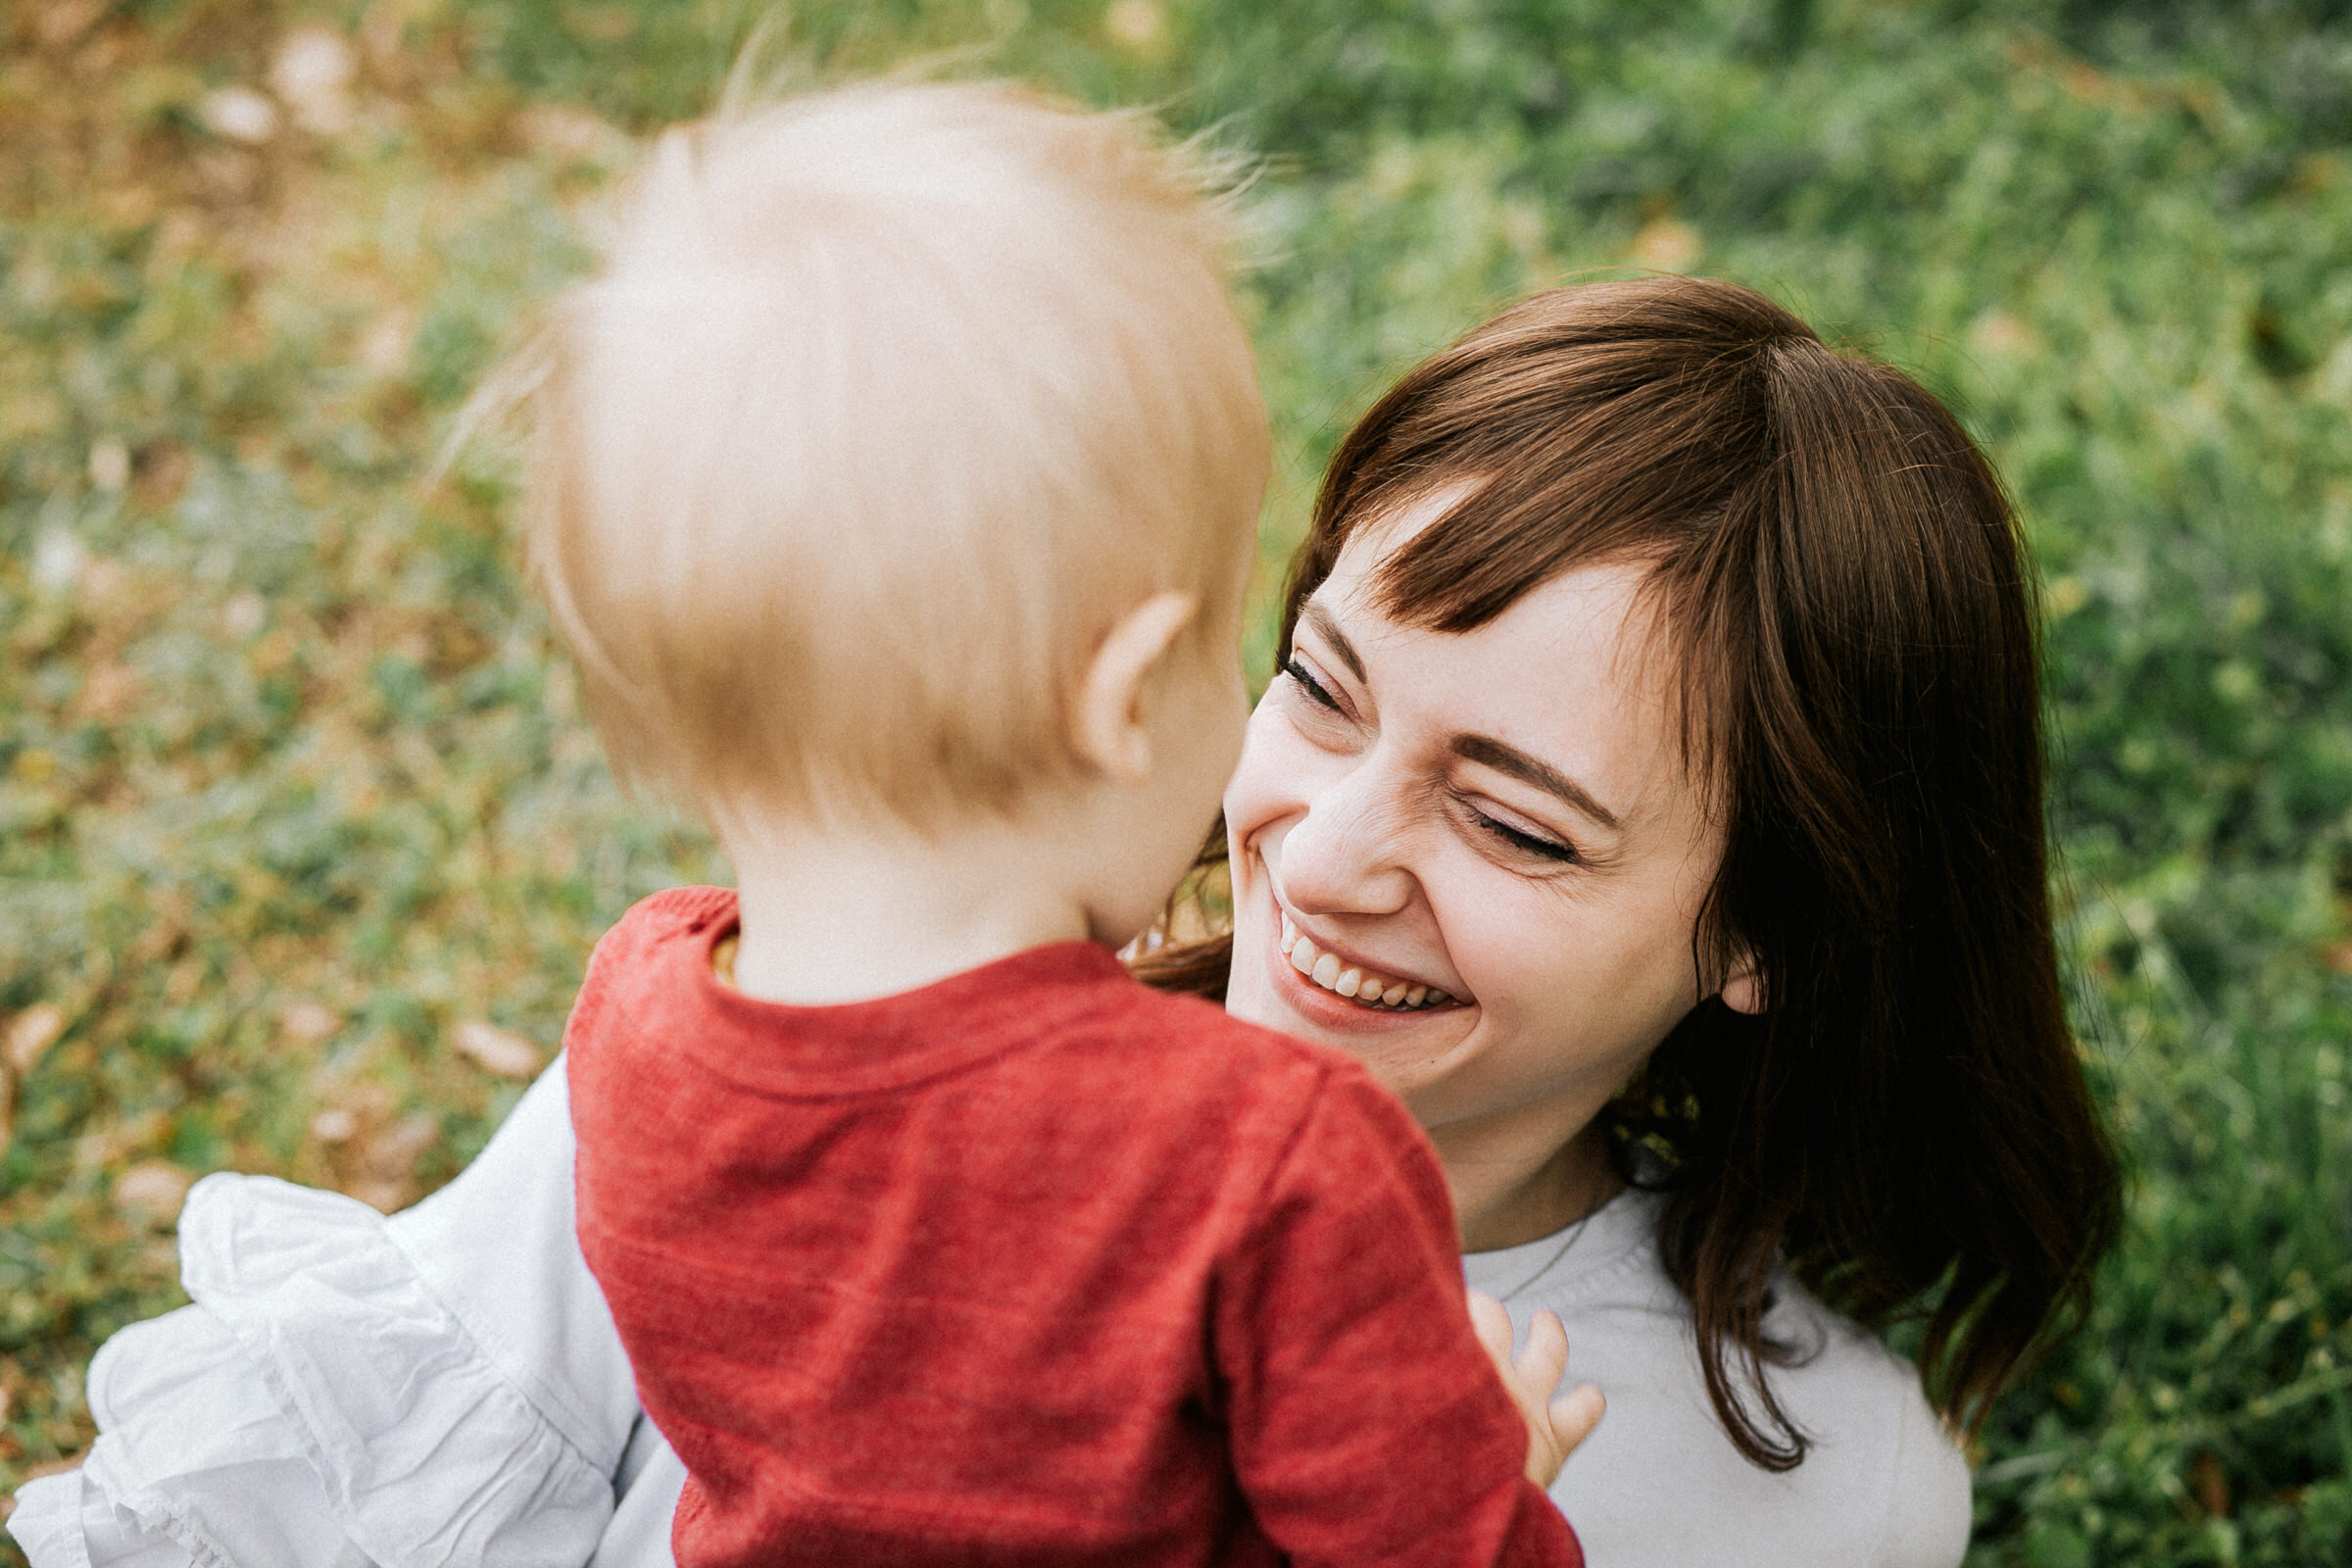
[444,1389]
[1659,1483]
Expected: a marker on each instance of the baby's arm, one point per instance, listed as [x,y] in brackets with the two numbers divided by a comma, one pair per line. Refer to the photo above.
[1367,1423]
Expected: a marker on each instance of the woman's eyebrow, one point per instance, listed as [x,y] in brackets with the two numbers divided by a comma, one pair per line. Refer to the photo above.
[1489,751]
[1327,627]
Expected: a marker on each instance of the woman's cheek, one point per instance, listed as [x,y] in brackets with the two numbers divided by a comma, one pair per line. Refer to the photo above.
[1263,787]
[1486,929]
[1615,976]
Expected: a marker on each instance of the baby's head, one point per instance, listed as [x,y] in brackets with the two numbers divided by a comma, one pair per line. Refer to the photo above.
[884,407]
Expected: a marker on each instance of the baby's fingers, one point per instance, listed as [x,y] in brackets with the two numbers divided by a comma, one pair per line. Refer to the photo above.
[1539,1366]
[1575,1414]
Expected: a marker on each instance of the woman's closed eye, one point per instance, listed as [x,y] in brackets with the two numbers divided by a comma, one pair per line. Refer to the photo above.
[1317,692]
[1520,840]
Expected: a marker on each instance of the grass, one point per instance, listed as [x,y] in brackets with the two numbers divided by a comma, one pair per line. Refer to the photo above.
[301,842]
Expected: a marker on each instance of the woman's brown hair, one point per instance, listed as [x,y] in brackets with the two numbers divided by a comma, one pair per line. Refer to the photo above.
[1906,1124]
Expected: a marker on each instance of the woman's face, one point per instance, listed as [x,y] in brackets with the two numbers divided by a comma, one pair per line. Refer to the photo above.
[1501,816]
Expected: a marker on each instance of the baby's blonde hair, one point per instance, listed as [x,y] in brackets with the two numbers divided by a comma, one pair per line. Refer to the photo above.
[883,406]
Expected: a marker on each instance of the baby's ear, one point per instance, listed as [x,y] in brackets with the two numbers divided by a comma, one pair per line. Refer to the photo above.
[1106,715]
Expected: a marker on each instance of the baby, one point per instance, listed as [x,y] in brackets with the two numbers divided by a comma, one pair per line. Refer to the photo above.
[894,486]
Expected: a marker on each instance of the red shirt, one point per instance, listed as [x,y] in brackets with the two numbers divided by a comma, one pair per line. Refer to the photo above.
[1032,1265]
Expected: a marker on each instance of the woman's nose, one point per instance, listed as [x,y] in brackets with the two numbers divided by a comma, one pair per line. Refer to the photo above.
[1347,854]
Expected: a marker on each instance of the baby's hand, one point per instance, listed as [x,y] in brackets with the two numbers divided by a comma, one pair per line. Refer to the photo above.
[1554,1427]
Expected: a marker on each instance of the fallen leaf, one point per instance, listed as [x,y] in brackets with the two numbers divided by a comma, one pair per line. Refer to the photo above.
[110,464]
[572,132]
[160,472]
[1136,23]
[108,1147]
[111,692]
[384,348]
[1666,245]
[30,1035]
[242,617]
[1998,335]
[391,1152]
[307,1022]
[311,72]
[498,1051]
[152,1192]
[60,23]
[239,114]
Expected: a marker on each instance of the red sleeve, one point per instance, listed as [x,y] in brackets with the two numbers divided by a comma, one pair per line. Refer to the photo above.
[1367,1424]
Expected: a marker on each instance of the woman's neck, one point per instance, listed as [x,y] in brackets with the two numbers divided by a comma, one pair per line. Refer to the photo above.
[1510,1187]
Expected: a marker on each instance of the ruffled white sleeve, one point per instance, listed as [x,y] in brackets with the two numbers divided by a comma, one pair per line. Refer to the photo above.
[440,1388]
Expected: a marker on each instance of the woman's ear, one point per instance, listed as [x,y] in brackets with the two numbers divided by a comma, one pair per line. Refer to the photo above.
[1743,987]
[1106,714]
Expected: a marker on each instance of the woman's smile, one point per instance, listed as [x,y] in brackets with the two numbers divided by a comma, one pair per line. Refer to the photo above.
[1368,987]
[1337,990]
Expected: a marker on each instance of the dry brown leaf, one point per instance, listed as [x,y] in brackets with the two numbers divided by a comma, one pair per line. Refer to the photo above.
[572,132]
[242,617]
[498,1051]
[384,33]
[307,1022]
[111,693]
[1666,245]
[385,346]
[334,1125]
[391,1153]
[62,23]
[110,464]
[97,1150]
[310,73]
[238,113]
[32,1033]
[160,472]
[1137,24]
[151,1193]
[1998,334]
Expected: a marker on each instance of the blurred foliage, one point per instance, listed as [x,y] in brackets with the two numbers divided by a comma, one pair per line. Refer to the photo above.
[302,841]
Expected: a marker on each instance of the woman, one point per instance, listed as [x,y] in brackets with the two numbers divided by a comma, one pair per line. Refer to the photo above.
[1650,795]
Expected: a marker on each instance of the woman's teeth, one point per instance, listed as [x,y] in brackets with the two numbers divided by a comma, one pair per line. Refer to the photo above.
[1366,990]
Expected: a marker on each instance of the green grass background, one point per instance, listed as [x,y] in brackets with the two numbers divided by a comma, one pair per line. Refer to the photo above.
[295,798]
